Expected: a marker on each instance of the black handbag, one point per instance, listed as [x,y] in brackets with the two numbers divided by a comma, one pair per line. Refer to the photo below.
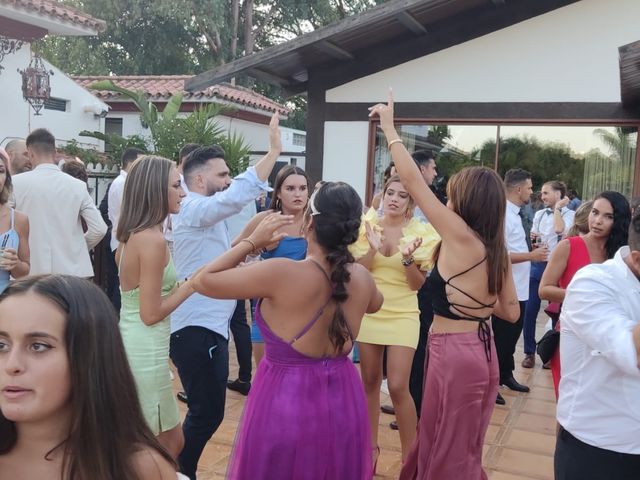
[548,345]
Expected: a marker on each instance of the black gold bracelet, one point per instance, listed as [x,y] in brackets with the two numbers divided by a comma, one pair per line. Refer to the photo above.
[407,261]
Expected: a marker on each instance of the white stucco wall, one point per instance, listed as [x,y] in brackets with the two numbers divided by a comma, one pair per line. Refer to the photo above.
[18,118]
[345,154]
[567,55]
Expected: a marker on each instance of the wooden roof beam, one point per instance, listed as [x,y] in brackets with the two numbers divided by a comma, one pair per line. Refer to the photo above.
[410,23]
[334,50]
[268,77]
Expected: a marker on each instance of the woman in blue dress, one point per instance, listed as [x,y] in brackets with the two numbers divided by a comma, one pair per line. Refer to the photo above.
[14,239]
[291,191]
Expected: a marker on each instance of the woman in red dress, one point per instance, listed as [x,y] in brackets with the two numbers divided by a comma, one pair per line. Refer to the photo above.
[608,228]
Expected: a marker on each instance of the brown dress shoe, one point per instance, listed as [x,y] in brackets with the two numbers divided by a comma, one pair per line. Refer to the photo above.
[529,360]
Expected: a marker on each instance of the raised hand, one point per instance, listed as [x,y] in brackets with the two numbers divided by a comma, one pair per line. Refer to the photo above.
[562,203]
[275,140]
[385,113]
[373,237]
[267,233]
[408,249]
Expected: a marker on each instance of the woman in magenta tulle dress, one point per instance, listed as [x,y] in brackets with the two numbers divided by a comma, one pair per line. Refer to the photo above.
[306,415]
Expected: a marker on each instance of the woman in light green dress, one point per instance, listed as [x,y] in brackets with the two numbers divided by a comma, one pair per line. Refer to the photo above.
[150,291]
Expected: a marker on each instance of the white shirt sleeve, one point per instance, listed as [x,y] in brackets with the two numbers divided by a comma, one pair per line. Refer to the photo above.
[207,211]
[96,228]
[591,310]
[114,202]
[537,218]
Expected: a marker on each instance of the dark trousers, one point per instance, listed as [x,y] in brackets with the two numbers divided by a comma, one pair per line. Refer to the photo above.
[416,379]
[533,307]
[202,359]
[113,281]
[576,460]
[242,338]
[506,336]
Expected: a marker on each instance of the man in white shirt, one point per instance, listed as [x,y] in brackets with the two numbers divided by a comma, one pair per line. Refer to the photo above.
[506,334]
[55,204]
[184,152]
[549,226]
[200,326]
[599,402]
[116,189]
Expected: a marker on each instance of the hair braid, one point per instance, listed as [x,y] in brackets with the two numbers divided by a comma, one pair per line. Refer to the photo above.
[336,228]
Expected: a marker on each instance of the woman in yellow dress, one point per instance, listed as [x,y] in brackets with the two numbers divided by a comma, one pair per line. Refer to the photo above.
[397,249]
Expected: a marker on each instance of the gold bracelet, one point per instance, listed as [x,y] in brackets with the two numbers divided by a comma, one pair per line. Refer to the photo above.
[392,142]
[249,241]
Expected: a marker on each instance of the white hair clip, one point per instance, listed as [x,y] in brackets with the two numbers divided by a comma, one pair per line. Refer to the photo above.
[312,204]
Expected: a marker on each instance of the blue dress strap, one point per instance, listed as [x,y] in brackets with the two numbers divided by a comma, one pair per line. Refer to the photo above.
[12,218]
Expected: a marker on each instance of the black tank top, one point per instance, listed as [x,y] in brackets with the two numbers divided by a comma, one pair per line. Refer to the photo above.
[444,308]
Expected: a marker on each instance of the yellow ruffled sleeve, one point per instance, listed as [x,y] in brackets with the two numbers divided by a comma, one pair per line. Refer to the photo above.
[430,238]
[361,246]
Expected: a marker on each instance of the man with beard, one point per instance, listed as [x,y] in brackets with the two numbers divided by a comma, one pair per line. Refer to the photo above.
[18,157]
[200,326]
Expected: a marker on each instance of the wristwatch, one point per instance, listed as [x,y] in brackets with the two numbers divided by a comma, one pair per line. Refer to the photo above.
[407,261]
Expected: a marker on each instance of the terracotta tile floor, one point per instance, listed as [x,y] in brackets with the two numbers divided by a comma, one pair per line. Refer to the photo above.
[519,444]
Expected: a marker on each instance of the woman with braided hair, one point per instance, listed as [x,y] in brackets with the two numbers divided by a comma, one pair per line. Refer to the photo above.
[306,414]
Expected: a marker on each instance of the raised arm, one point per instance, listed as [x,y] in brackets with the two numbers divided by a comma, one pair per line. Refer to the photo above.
[220,279]
[549,289]
[250,227]
[266,163]
[447,223]
[559,224]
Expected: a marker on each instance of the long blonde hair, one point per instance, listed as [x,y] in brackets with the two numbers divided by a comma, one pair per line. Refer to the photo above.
[581,220]
[145,201]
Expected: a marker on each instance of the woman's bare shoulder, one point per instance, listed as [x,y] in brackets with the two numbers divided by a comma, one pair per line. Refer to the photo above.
[149,464]
[148,238]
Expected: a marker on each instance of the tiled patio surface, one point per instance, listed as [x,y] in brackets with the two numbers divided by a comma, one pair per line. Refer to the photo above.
[519,444]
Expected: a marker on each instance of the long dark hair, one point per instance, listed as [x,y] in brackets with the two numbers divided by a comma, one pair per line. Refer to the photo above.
[478,195]
[621,220]
[276,203]
[107,427]
[336,227]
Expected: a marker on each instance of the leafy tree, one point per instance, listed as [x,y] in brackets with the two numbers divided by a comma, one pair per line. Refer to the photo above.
[177,37]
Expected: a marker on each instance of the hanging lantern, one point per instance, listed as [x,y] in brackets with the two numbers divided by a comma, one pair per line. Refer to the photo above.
[35,84]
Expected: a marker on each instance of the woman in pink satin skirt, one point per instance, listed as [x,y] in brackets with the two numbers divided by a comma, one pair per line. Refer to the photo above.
[471,280]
